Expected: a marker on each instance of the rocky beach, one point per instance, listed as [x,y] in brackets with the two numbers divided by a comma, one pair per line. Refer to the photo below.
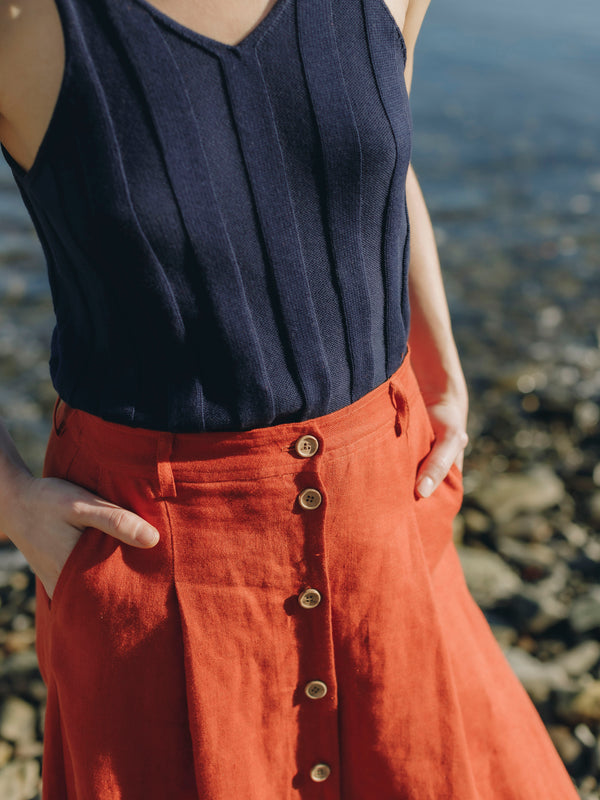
[507,149]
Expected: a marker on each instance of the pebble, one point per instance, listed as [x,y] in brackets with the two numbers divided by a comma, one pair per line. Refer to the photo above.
[584,614]
[582,705]
[20,780]
[537,489]
[489,578]
[539,679]
[569,747]
[535,611]
[534,555]
[529,528]
[17,720]
[581,658]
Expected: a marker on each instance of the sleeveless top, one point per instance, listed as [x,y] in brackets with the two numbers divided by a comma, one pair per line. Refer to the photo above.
[225,226]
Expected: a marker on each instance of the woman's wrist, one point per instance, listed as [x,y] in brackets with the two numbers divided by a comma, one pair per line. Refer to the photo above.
[436,364]
[15,479]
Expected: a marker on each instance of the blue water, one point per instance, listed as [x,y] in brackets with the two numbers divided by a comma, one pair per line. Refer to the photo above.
[506,108]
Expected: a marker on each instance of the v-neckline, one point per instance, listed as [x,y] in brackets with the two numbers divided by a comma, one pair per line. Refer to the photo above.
[201,38]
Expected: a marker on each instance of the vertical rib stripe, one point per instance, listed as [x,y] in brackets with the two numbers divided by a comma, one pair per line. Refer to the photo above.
[342,158]
[266,169]
[383,42]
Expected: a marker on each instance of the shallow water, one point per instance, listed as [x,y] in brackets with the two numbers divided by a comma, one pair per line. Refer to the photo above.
[506,110]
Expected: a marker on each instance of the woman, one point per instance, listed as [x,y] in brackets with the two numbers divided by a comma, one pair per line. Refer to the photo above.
[247,585]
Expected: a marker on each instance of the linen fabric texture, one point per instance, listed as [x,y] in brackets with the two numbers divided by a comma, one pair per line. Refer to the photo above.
[181,671]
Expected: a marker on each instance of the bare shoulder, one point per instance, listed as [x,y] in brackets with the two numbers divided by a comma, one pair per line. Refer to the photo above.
[409,14]
[415,15]
[31,66]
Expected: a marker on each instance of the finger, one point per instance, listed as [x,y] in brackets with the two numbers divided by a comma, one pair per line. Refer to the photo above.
[437,465]
[114,520]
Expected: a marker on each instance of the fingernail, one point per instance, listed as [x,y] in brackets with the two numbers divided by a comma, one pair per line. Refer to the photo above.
[425,487]
[148,537]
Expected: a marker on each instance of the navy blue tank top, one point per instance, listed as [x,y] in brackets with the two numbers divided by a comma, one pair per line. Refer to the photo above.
[225,226]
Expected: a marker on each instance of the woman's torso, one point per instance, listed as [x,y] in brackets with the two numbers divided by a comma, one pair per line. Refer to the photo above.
[225,225]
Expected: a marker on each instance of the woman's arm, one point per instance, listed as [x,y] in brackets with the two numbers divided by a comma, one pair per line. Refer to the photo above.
[43,517]
[434,355]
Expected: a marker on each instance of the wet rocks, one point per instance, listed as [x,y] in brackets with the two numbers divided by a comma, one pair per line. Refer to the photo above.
[20,780]
[17,721]
[585,612]
[580,659]
[538,678]
[506,495]
[489,578]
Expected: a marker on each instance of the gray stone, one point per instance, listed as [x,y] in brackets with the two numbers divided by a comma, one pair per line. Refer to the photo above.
[580,659]
[568,746]
[593,504]
[580,706]
[476,521]
[584,734]
[17,720]
[535,610]
[576,535]
[488,577]
[17,663]
[6,752]
[584,614]
[529,527]
[504,496]
[20,780]
[538,678]
[531,554]
[505,635]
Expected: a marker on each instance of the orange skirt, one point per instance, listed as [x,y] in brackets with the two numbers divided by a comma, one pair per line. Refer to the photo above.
[302,630]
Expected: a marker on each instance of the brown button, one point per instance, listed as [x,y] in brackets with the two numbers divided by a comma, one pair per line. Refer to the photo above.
[310,498]
[315,690]
[320,772]
[309,598]
[307,445]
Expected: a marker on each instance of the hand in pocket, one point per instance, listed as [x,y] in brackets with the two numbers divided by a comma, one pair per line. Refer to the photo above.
[448,422]
[49,515]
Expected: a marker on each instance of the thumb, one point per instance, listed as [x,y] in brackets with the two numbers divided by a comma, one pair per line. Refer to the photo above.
[435,468]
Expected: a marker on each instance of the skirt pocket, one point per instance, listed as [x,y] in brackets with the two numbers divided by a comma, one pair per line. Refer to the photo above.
[434,515]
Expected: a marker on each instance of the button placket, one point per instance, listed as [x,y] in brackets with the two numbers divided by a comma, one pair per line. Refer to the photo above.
[310,499]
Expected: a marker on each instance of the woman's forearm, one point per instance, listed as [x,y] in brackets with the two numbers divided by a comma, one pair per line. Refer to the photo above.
[434,356]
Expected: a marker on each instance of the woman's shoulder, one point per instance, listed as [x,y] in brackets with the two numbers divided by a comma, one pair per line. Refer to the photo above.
[31,68]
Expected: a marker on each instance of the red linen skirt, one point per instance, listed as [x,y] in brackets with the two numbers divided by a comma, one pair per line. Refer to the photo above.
[302,630]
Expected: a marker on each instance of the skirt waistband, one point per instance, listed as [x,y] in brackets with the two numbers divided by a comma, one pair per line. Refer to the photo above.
[121,447]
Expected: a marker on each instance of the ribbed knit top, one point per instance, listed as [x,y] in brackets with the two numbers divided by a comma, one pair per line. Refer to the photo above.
[225,226]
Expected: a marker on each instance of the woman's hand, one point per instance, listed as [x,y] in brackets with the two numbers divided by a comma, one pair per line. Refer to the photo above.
[49,515]
[448,417]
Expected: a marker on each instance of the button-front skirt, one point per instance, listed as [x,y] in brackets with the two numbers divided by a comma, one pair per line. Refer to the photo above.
[302,630]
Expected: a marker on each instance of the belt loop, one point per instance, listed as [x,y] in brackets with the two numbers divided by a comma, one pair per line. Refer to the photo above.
[58,415]
[398,395]
[164,450]
[400,403]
